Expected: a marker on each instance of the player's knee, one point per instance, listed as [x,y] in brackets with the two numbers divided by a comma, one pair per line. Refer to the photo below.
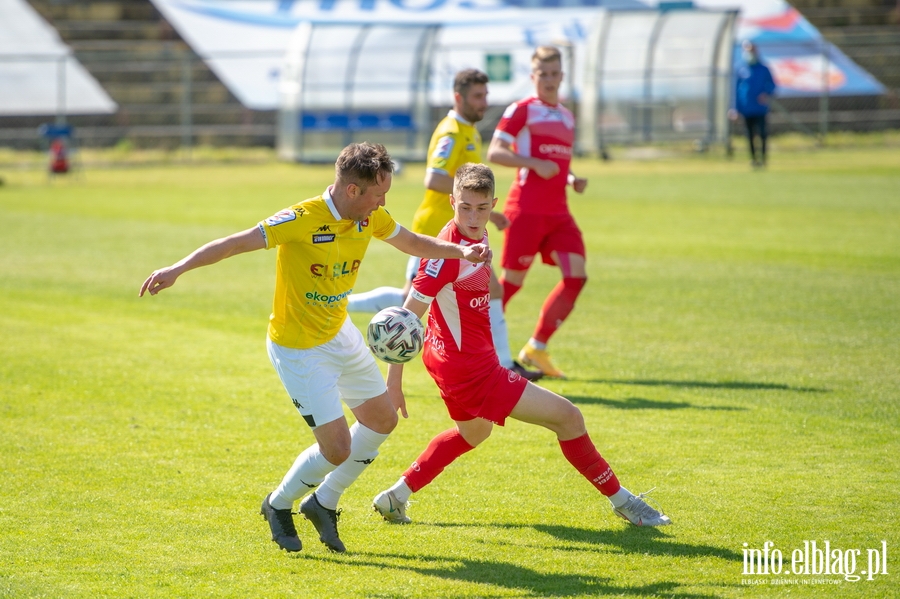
[476,438]
[571,422]
[576,284]
[496,289]
[476,432]
[386,422]
[336,453]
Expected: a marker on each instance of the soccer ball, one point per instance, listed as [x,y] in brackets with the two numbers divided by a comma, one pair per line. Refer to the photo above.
[395,335]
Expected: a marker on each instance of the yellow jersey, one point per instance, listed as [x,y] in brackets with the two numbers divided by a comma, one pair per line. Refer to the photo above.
[318,258]
[454,142]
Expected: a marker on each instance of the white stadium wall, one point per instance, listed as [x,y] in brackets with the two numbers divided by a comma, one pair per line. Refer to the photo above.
[631,75]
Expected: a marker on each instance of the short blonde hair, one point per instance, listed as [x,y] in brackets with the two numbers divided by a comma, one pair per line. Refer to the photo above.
[545,54]
[474,177]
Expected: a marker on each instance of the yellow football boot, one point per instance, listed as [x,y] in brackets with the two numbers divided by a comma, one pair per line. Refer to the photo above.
[540,359]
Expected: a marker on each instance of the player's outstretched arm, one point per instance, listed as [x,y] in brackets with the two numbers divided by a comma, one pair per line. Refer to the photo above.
[395,371]
[212,252]
[424,246]
[501,152]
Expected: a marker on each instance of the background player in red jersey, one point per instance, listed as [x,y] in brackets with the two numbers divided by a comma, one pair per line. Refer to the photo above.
[479,392]
[535,136]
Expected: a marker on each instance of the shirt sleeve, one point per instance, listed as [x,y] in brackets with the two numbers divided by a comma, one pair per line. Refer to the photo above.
[384,225]
[433,276]
[284,226]
[439,160]
[512,122]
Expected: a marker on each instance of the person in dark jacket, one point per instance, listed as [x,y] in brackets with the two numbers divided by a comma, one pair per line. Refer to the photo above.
[753,93]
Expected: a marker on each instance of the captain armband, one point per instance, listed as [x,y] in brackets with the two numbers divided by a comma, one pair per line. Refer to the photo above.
[419,296]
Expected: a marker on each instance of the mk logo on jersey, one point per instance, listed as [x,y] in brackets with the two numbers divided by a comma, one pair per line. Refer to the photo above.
[281,217]
[323,238]
[326,228]
[444,147]
[433,268]
[362,224]
[338,269]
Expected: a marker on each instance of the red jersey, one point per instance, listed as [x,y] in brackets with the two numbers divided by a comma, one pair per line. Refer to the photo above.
[458,342]
[538,130]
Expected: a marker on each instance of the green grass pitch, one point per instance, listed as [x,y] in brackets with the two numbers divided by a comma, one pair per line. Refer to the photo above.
[737,347]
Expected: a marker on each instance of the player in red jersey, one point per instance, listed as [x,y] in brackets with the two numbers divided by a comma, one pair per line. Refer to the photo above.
[479,392]
[535,136]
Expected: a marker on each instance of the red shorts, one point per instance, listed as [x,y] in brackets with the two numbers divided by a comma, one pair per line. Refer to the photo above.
[491,396]
[529,234]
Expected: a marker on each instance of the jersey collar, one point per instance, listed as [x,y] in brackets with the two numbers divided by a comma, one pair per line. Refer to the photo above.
[329,201]
[536,97]
[458,117]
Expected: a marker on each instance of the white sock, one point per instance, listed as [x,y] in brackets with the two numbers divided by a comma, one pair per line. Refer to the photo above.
[364,443]
[376,300]
[401,490]
[309,469]
[620,497]
[536,344]
[499,333]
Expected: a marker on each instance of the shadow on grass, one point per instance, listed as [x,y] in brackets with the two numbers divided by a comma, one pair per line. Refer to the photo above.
[640,403]
[526,581]
[707,385]
[630,539]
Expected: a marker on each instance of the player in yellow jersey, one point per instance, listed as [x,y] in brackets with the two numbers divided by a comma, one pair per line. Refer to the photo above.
[318,353]
[454,143]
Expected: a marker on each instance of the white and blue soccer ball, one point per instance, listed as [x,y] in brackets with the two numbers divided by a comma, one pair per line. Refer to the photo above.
[395,335]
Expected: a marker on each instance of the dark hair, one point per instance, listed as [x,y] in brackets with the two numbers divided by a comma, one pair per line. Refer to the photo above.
[466,79]
[363,164]
[474,177]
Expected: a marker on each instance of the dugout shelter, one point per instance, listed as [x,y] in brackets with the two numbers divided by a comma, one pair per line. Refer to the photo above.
[633,75]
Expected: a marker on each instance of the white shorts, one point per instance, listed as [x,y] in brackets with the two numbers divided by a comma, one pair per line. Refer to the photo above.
[317,378]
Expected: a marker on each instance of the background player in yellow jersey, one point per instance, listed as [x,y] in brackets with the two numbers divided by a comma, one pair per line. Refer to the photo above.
[454,143]
[318,353]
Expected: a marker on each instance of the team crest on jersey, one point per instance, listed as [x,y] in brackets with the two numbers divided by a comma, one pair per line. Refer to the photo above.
[281,217]
[444,147]
[433,267]
[323,238]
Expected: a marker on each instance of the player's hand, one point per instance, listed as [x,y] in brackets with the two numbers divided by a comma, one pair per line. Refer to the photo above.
[732,114]
[579,184]
[546,169]
[159,280]
[499,219]
[477,253]
[398,400]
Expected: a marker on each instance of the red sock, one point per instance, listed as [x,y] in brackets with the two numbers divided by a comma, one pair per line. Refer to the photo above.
[582,454]
[557,307]
[509,290]
[440,453]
